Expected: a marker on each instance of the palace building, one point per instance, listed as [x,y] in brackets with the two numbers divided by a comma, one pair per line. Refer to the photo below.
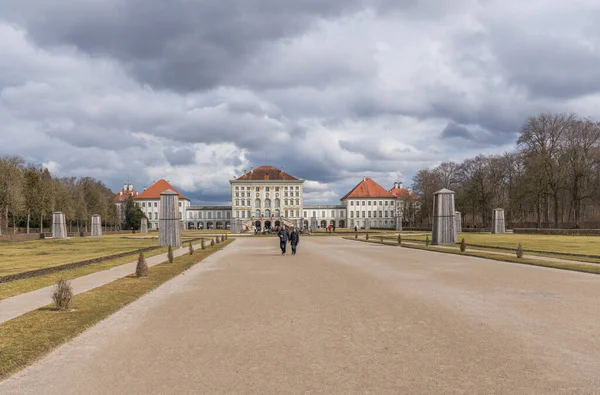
[267,197]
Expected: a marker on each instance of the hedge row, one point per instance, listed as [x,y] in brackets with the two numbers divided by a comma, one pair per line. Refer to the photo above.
[560,232]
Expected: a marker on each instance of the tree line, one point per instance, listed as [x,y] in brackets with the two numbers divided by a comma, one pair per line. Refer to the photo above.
[29,195]
[551,179]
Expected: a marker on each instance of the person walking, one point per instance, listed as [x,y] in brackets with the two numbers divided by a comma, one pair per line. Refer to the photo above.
[294,240]
[284,236]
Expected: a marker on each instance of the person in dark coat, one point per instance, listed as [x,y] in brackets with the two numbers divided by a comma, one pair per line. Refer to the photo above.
[284,236]
[294,240]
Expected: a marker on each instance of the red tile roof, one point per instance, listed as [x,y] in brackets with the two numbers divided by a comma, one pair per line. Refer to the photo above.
[403,193]
[123,195]
[267,173]
[154,191]
[368,188]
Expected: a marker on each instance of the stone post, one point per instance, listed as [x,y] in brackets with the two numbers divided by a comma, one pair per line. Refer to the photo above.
[367,224]
[457,223]
[443,218]
[313,224]
[144,226]
[96,226]
[399,222]
[169,231]
[59,227]
[498,221]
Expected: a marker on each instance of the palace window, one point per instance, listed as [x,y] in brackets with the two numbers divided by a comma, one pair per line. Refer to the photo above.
[297,194]
[323,214]
[351,214]
[276,189]
[297,202]
[369,214]
[268,203]
[237,202]
[352,202]
[363,202]
[257,203]
[267,189]
[143,204]
[333,213]
[386,213]
[243,214]
[386,202]
[155,215]
[380,203]
[305,214]
[369,203]
[363,214]
[257,213]
[218,214]
[314,213]
[381,214]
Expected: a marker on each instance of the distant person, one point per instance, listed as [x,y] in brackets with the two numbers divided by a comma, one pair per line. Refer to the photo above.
[294,240]
[356,228]
[284,236]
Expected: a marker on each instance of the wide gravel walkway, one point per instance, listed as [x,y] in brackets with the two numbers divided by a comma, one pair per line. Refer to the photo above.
[339,318]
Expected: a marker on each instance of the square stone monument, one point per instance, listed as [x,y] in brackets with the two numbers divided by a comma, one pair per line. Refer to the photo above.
[144,226]
[59,225]
[169,230]
[399,222]
[457,222]
[313,224]
[367,224]
[443,218]
[498,226]
[96,226]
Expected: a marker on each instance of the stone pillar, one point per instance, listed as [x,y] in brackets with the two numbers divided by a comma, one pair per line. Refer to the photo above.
[443,218]
[399,222]
[169,224]
[367,224]
[144,226]
[96,226]
[59,226]
[301,224]
[313,224]
[498,221]
[457,222]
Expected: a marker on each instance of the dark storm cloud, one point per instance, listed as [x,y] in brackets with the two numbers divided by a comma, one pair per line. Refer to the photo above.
[179,157]
[180,44]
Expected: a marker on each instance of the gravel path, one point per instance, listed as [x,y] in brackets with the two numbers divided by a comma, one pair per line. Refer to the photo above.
[339,318]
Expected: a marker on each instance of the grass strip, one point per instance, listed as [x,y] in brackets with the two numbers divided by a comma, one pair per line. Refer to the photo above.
[576,267]
[29,337]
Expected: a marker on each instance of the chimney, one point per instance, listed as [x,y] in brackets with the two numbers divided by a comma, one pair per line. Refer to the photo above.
[400,185]
[364,179]
[245,171]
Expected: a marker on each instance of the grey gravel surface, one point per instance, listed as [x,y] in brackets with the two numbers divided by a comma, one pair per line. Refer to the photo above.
[339,318]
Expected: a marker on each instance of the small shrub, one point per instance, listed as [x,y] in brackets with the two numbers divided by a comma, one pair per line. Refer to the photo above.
[212,242]
[191,249]
[519,251]
[63,295]
[141,269]
[367,236]
[427,241]
[399,239]
[42,236]
[356,235]
[202,244]
[463,245]
[170,254]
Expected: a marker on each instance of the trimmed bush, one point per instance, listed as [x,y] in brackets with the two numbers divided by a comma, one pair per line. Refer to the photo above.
[560,232]
[367,236]
[399,239]
[463,245]
[356,235]
[212,242]
[141,269]
[42,236]
[202,244]
[170,254]
[427,241]
[191,249]
[63,295]
[519,251]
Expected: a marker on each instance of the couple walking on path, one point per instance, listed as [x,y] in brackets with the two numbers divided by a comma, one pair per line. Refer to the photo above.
[284,236]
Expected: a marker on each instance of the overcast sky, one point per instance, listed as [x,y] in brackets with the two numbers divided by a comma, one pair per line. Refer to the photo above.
[196,91]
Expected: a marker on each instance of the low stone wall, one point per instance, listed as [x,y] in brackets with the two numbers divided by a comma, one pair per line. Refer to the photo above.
[562,232]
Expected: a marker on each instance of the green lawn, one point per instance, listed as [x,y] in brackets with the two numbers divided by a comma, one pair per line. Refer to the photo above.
[588,245]
[27,338]
[17,257]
